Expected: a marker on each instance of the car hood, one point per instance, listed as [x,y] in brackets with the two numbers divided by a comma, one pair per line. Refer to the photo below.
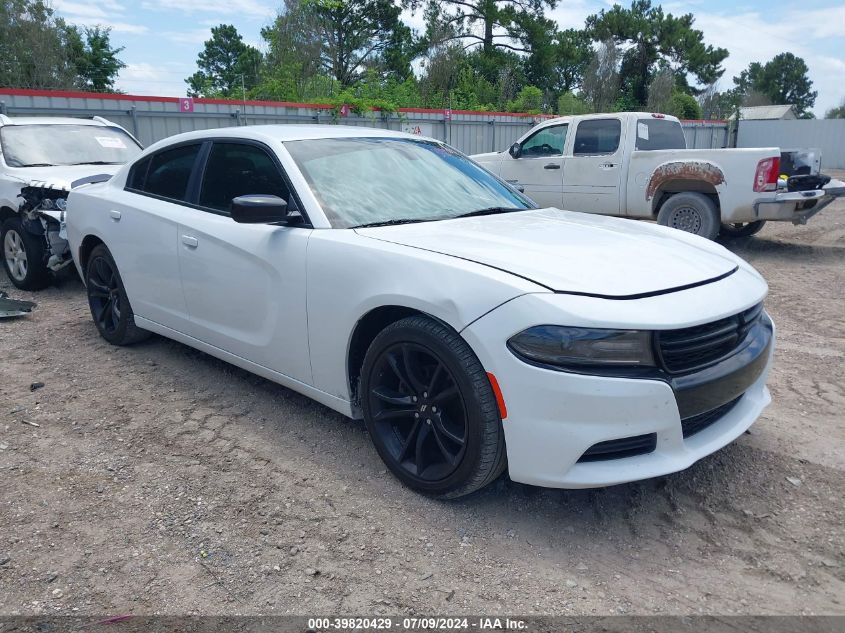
[574,253]
[58,177]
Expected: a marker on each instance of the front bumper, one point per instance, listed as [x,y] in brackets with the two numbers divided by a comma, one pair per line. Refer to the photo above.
[554,417]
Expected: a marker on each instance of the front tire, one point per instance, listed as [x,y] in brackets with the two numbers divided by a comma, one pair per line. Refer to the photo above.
[110,307]
[741,229]
[430,409]
[691,212]
[24,256]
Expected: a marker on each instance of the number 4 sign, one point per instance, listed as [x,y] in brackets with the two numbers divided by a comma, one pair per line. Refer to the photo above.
[186,104]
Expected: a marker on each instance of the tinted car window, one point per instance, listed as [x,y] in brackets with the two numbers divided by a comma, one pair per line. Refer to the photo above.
[547,142]
[138,175]
[169,172]
[235,169]
[659,134]
[599,136]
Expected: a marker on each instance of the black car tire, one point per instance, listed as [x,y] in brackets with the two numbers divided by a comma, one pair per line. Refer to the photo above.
[442,362]
[31,272]
[108,301]
[691,212]
[741,229]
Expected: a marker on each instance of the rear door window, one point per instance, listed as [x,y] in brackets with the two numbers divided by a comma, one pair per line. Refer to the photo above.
[655,134]
[597,136]
[167,174]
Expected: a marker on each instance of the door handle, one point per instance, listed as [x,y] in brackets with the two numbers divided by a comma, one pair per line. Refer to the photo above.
[114,215]
[551,166]
[607,165]
[189,241]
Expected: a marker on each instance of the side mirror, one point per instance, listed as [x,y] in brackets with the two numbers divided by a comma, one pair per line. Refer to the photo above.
[259,209]
[515,150]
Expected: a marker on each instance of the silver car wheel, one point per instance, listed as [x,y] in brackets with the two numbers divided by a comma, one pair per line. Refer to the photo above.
[15,255]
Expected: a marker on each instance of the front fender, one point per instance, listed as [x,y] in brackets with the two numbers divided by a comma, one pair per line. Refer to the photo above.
[349,275]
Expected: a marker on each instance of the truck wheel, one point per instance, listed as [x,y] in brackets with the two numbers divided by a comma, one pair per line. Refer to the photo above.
[24,256]
[691,212]
[741,229]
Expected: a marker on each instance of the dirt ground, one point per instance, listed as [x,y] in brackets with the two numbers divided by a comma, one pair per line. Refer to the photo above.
[156,479]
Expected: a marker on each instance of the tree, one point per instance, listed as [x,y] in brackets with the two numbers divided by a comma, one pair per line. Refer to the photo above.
[529,99]
[344,37]
[782,81]
[97,64]
[600,87]
[36,47]
[837,112]
[653,37]
[226,64]
[569,103]
[503,22]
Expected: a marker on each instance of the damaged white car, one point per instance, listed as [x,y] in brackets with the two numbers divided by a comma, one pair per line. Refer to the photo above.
[41,158]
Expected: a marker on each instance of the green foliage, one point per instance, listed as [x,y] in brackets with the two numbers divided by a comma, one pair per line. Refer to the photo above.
[568,103]
[684,106]
[655,38]
[836,113]
[227,66]
[781,81]
[529,99]
[96,61]
[41,51]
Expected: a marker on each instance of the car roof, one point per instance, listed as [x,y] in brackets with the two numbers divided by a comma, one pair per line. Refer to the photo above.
[50,120]
[288,132]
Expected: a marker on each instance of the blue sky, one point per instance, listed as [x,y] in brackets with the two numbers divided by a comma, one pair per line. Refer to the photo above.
[163,37]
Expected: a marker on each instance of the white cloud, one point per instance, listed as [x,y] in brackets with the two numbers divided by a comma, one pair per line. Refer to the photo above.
[752,36]
[143,78]
[107,13]
[192,37]
[245,8]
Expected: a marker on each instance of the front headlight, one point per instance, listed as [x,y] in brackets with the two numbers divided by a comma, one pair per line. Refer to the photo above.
[573,346]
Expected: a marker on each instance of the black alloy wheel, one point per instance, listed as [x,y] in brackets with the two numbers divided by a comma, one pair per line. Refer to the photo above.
[418,412]
[107,299]
[430,409]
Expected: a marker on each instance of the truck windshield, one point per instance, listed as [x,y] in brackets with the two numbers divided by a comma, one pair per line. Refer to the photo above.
[660,134]
[51,144]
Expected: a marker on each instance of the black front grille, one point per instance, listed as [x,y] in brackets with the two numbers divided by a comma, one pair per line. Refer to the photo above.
[617,449]
[694,347]
[696,423]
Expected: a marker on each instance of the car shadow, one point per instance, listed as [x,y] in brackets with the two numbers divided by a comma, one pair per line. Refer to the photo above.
[756,248]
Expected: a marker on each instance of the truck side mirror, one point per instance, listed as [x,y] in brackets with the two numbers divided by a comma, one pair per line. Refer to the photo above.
[515,150]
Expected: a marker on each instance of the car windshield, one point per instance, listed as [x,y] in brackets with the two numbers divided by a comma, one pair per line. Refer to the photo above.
[50,144]
[369,181]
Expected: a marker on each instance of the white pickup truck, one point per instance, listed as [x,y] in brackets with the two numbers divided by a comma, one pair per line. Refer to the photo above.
[636,164]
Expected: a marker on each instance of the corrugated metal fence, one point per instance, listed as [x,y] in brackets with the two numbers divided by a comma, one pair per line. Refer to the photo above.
[826,134]
[153,118]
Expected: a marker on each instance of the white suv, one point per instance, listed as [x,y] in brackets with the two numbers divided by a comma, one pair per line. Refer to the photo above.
[40,159]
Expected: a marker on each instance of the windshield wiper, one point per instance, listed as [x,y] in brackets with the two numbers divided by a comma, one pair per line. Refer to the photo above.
[490,211]
[37,165]
[390,222]
[96,162]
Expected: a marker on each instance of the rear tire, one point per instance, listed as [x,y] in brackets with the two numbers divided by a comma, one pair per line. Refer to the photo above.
[691,212]
[430,409]
[24,256]
[110,307]
[741,229]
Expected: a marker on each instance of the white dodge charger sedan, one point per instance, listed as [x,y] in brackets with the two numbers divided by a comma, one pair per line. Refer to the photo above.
[389,277]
